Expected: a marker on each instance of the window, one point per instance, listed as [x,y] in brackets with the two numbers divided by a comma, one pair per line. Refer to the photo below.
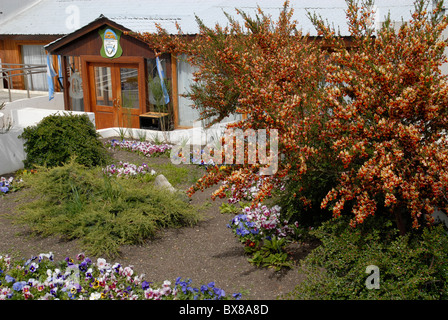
[35,54]
[103,86]
[155,90]
[187,114]
[129,88]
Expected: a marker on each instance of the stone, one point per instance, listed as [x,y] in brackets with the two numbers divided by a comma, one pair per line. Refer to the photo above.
[162,182]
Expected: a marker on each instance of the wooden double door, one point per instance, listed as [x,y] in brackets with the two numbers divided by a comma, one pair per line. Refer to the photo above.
[116,93]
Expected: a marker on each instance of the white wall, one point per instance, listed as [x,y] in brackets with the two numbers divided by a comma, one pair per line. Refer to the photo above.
[11,151]
[31,116]
[22,113]
[196,135]
[57,103]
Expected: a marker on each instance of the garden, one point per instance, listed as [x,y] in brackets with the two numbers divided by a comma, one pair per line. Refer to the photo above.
[361,168]
[62,223]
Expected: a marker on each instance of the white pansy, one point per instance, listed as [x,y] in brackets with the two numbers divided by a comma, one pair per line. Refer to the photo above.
[95,296]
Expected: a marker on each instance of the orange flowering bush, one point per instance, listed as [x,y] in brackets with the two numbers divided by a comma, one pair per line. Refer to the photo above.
[363,121]
[389,113]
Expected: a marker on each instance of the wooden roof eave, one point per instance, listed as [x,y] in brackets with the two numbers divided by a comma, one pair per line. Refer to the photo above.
[54,46]
[31,37]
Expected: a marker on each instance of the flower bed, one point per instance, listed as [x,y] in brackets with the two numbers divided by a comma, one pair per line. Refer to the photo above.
[5,184]
[263,236]
[144,147]
[259,227]
[13,184]
[125,169]
[9,185]
[255,220]
[42,278]
[261,220]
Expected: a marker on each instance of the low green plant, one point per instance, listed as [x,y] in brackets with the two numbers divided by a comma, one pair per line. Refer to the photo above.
[155,139]
[102,211]
[265,248]
[57,138]
[271,254]
[178,175]
[141,135]
[122,132]
[231,208]
[410,267]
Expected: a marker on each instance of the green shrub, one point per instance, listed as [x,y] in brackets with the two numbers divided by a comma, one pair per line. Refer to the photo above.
[302,197]
[103,212]
[57,138]
[414,266]
[271,254]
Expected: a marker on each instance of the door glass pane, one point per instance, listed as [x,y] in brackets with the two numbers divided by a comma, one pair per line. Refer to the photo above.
[103,86]
[129,87]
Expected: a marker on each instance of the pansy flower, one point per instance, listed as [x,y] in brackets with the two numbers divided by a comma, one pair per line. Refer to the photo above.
[18,286]
[145,285]
[73,290]
[89,273]
[116,267]
[28,295]
[54,291]
[95,284]
[49,256]
[33,267]
[219,293]
[83,266]
[95,296]
[80,256]
[102,264]
[236,296]
[128,272]
[32,282]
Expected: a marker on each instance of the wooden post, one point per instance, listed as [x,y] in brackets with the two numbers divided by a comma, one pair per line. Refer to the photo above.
[174,92]
[399,219]
[65,83]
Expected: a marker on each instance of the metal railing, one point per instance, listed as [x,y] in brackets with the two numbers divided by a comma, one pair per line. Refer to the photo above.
[9,70]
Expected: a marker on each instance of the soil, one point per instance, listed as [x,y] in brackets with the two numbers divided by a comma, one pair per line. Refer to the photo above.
[205,252]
